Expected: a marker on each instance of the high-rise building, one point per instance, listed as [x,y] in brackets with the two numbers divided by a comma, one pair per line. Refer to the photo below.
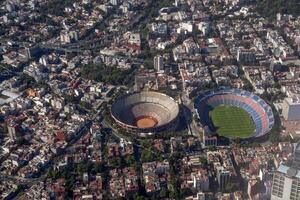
[204,27]
[114,2]
[68,36]
[158,63]
[65,37]
[210,140]
[286,184]
[200,196]
[256,190]
[177,3]
[291,108]
[244,55]
[74,35]
[86,1]
[223,176]
[13,131]
[32,52]
[286,180]
[10,7]
[296,161]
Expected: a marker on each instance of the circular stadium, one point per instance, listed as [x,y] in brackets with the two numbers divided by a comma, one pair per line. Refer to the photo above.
[145,112]
[234,113]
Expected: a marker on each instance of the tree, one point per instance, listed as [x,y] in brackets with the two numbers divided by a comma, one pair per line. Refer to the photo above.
[130,160]
[274,135]
[98,167]
[55,174]
[71,99]
[139,197]
[175,194]
[86,105]
[212,148]
[101,73]
[230,187]
[248,86]
[114,162]
[269,8]
[147,155]
[81,168]
[184,192]
[163,193]
[26,80]
[117,162]
[204,162]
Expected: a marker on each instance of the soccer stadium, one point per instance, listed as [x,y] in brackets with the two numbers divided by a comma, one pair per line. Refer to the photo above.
[234,113]
[145,112]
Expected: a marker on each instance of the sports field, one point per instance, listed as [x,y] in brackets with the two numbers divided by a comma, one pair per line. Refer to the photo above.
[232,122]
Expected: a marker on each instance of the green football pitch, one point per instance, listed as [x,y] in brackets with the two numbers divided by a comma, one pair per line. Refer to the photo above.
[232,122]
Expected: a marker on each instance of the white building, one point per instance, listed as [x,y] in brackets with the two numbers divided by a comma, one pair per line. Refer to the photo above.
[286,184]
[68,36]
[291,108]
[159,63]
[185,27]
[135,38]
[200,181]
[204,27]
[114,2]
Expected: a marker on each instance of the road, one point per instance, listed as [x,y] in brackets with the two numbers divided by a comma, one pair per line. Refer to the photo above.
[94,44]
[77,135]
[193,128]
[28,182]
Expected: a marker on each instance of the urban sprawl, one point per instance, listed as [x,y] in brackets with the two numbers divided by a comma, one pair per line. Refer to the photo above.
[108,99]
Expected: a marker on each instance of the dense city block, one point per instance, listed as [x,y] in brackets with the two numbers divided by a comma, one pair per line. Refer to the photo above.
[150,99]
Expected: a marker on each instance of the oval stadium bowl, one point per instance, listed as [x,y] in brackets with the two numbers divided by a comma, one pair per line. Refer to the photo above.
[259,111]
[145,112]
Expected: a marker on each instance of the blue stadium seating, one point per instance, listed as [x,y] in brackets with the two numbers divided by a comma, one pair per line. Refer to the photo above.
[260,112]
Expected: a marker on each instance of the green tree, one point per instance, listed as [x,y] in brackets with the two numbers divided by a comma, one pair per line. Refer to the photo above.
[147,155]
[139,197]
[98,167]
[130,160]
[269,8]
[212,148]
[204,162]
[101,73]
[248,86]
[163,193]
[81,168]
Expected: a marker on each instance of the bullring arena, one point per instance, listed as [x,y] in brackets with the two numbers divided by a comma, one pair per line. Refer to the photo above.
[145,112]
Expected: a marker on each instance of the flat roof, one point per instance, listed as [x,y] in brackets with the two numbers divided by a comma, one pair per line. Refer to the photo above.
[8,96]
[287,170]
[294,100]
